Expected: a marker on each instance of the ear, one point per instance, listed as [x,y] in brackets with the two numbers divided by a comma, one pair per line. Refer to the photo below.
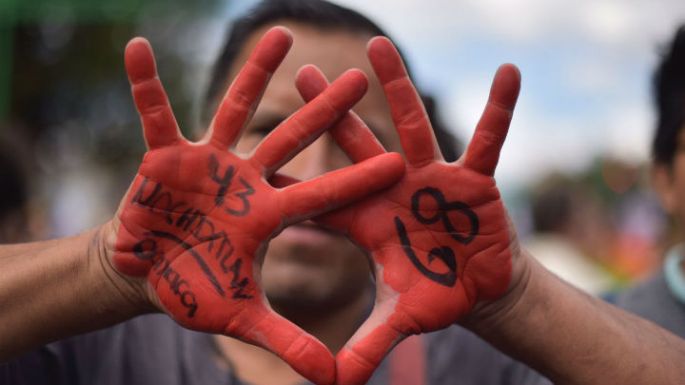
[662,181]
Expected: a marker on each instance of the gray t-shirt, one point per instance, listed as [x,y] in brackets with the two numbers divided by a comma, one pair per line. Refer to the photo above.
[654,301]
[152,349]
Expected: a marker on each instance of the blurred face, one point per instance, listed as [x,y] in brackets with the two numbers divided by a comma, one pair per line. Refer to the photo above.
[670,182]
[306,266]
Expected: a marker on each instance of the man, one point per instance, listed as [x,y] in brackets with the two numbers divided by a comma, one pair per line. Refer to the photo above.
[662,299]
[311,276]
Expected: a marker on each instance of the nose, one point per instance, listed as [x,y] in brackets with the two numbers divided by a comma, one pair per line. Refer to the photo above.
[321,156]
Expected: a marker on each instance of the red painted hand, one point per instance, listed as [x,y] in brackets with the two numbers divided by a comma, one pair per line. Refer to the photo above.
[439,239]
[197,218]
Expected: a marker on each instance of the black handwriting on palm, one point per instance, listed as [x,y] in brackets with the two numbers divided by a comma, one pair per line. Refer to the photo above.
[197,218]
[439,239]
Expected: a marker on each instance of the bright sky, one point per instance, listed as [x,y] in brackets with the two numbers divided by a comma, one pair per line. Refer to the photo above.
[586,67]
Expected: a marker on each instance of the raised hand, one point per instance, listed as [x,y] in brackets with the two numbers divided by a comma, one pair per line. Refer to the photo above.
[197,218]
[440,238]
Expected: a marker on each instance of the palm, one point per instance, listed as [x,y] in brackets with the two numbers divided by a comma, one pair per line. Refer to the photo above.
[197,218]
[430,248]
[439,239]
[204,220]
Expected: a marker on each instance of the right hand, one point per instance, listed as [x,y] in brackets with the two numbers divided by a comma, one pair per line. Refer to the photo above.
[197,218]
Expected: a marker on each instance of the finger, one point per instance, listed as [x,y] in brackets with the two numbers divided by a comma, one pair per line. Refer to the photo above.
[360,357]
[303,127]
[246,91]
[351,133]
[483,151]
[408,113]
[340,187]
[304,353]
[159,125]
[337,220]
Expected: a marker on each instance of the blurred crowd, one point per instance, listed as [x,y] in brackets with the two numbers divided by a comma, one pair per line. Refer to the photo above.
[599,229]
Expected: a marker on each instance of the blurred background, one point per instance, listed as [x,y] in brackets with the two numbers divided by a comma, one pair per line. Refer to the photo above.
[574,170]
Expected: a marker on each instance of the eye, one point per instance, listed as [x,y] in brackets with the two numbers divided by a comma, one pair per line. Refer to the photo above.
[386,136]
[262,130]
[383,138]
[262,125]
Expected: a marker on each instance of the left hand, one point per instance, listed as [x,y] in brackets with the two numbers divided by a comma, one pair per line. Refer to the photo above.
[193,229]
[440,239]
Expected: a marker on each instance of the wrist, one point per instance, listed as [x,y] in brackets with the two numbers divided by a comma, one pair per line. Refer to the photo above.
[521,322]
[126,296]
[491,316]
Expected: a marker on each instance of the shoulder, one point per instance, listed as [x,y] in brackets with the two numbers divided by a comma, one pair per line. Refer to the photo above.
[653,300]
[145,350]
[144,347]
[457,356]
[153,335]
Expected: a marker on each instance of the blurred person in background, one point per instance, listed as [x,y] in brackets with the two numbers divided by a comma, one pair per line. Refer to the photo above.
[570,225]
[320,280]
[662,298]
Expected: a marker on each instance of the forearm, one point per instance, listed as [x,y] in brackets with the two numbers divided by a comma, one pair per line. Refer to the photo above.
[53,289]
[573,338]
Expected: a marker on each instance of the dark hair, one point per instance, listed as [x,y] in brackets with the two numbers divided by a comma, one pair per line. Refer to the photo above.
[14,193]
[669,96]
[320,14]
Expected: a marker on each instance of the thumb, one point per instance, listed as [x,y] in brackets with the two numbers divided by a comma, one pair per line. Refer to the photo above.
[337,220]
[261,326]
[360,357]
